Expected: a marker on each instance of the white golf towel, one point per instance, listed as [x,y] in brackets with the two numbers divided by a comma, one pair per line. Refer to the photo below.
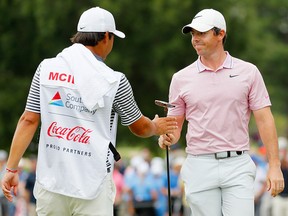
[93,78]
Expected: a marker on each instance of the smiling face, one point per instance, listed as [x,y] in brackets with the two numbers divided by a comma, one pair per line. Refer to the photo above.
[207,43]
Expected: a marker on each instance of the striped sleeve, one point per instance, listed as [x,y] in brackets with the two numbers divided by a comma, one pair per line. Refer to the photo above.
[125,104]
[33,100]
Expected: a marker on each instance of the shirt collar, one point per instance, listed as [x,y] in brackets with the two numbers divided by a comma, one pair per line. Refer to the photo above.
[228,63]
[98,57]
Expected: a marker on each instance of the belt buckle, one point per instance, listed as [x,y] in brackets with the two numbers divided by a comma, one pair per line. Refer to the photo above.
[221,155]
[239,153]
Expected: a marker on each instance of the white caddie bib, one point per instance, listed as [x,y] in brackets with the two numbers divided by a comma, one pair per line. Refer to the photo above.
[74,140]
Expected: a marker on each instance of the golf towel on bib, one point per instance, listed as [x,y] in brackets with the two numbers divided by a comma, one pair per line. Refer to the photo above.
[93,78]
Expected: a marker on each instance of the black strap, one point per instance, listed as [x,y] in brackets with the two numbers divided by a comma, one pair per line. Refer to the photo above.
[116,154]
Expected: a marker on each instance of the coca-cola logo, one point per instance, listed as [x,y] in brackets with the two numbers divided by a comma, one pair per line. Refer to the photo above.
[75,134]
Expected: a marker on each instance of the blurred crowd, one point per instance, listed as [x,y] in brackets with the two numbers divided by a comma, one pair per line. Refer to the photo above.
[24,204]
[265,205]
[142,185]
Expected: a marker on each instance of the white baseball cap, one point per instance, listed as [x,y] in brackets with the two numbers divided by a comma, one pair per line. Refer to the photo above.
[206,20]
[97,19]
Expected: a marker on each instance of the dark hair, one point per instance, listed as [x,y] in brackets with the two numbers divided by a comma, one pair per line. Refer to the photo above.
[89,38]
[217,31]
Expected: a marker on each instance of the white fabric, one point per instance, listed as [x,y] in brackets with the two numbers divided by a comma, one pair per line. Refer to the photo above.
[206,20]
[74,141]
[97,19]
[93,78]
[55,204]
[225,185]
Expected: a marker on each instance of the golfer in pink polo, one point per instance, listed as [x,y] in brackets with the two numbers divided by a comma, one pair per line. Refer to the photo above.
[216,95]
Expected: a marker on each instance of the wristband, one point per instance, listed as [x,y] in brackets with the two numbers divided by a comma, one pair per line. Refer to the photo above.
[11,170]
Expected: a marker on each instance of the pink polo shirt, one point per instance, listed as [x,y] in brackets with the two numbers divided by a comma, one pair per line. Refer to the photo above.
[217,105]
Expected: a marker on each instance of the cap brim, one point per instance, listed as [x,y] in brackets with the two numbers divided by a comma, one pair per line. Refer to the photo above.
[186,29]
[197,26]
[119,34]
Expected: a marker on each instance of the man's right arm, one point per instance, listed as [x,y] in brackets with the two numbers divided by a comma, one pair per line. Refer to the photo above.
[25,130]
[145,127]
[24,133]
[168,139]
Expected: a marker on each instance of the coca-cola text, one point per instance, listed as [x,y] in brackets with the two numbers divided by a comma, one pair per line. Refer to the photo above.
[75,134]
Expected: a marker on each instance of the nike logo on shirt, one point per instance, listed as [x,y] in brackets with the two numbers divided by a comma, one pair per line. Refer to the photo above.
[231,76]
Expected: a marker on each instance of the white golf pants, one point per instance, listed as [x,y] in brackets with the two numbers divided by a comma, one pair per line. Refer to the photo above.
[216,187]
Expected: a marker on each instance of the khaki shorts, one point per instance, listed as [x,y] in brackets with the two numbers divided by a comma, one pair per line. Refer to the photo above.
[52,204]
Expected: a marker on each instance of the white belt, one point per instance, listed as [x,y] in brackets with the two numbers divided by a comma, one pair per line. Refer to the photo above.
[222,155]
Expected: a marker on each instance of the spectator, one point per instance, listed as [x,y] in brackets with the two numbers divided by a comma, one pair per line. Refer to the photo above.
[3,201]
[175,186]
[259,183]
[29,186]
[142,191]
[119,184]
[280,203]
[158,177]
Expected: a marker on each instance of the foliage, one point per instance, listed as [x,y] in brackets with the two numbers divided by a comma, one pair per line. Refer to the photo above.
[13,93]
[152,51]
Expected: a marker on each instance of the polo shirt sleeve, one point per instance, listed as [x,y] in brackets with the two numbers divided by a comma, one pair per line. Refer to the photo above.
[175,97]
[258,95]
[33,99]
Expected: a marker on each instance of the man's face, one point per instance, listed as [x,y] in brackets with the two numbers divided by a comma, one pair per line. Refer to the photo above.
[205,43]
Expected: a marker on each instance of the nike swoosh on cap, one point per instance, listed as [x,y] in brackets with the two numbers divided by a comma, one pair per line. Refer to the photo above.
[197,17]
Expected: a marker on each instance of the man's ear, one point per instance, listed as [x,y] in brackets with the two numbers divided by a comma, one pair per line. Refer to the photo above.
[222,33]
[106,37]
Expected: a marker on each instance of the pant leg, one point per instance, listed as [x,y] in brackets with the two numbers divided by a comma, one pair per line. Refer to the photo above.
[51,204]
[102,205]
[200,177]
[215,186]
[237,184]
[206,203]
